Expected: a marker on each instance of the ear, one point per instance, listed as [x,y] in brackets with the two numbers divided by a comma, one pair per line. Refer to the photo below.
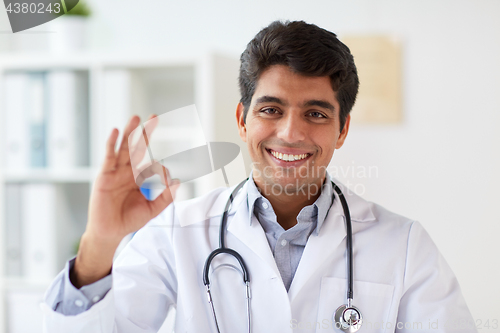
[242,129]
[343,134]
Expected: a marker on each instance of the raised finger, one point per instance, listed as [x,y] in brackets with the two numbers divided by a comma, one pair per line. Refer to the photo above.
[123,152]
[109,163]
[138,149]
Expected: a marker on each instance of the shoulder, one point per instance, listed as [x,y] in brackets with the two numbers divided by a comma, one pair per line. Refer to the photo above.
[394,230]
[364,211]
[375,224]
[389,219]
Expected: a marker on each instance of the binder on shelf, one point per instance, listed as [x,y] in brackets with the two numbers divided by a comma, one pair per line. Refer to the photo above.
[13,232]
[39,231]
[67,125]
[36,111]
[117,103]
[17,145]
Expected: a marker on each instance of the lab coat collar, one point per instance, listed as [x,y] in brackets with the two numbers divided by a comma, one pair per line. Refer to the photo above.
[252,235]
[253,194]
[219,204]
[322,204]
[359,209]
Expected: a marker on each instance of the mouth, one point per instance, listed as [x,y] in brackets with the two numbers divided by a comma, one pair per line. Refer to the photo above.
[288,157]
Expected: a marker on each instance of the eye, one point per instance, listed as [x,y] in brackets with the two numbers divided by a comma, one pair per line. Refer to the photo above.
[270,111]
[316,114]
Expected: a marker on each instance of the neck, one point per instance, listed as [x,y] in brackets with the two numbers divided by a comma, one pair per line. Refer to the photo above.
[287,206]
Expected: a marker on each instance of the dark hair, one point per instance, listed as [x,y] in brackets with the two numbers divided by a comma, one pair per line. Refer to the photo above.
[308,50]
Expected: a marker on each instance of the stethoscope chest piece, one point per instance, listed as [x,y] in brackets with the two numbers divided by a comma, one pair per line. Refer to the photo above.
[348,318]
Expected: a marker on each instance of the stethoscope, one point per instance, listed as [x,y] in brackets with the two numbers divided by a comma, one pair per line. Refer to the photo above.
[347,317]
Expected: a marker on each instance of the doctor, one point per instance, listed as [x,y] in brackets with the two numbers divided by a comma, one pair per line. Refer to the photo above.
[298,84]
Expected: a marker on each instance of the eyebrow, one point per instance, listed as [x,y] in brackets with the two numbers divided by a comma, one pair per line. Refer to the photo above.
[313,102]
[269,99]
[321,104]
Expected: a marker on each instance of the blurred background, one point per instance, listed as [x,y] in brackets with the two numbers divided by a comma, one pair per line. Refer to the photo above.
[424,141]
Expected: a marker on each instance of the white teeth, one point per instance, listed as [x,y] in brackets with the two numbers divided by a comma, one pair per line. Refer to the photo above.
[288,157]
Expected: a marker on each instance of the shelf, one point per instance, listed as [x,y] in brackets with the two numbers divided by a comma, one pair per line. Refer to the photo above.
[51,204]
[79,175]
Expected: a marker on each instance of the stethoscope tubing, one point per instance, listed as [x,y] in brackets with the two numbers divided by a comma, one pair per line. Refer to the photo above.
[348,225]
[222,242]
[222,249]
[222,228]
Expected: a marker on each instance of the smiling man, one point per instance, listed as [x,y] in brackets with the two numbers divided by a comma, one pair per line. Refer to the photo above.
[292,128]
[288,223]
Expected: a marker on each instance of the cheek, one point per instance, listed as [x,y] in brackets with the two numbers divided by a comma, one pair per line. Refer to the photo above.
[326,142]
[257,133]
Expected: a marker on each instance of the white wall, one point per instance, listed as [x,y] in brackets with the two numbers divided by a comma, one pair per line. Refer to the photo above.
[440,165]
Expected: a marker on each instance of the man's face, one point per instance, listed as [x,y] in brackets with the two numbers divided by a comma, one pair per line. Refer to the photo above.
[292,129]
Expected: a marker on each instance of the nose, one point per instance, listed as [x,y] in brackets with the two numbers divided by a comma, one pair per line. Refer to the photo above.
[292,128]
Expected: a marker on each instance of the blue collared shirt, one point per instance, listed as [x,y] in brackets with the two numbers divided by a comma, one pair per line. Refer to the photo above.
[288,245]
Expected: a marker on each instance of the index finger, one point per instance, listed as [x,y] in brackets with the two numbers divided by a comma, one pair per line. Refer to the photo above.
[123,153]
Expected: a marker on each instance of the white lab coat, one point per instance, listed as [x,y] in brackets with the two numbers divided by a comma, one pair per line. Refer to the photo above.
[401,282]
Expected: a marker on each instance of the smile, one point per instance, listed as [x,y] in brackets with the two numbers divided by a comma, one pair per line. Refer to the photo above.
[288,157]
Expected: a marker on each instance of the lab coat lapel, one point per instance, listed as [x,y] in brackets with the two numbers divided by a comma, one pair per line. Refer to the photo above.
[252,236]
[331,235]
[319,247]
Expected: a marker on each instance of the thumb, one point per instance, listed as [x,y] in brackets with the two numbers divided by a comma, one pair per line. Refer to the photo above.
[166,197]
